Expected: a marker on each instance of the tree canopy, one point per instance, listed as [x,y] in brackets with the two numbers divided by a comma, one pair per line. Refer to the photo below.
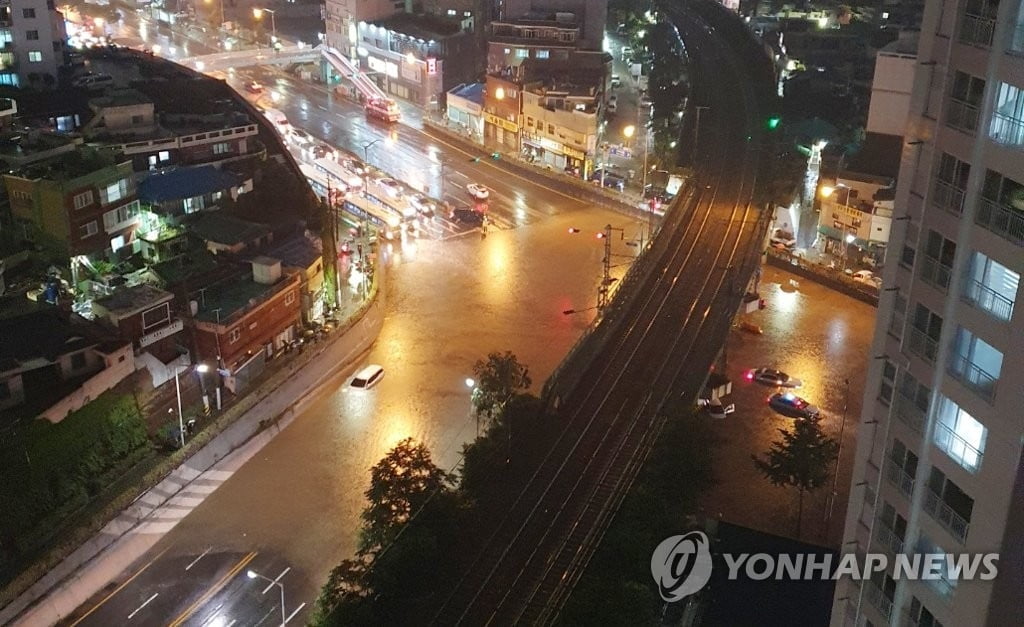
[498,380]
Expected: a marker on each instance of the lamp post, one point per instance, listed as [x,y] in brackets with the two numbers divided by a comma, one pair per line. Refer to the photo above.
[839,452]
[252,574]
[827,191]
[258,12]
[201,370]
[471,384]
[849,239]
[178,369]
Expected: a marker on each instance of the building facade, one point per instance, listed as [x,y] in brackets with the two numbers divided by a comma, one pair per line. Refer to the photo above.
[33,43]
[503,105]
[560,123]
[938,466]
[591,16]
[341,19]
[417,57]
[83,202]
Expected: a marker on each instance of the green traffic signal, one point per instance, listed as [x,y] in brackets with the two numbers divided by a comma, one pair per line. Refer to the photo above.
[773,122]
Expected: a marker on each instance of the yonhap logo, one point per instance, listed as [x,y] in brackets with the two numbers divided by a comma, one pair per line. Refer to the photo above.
[681,565]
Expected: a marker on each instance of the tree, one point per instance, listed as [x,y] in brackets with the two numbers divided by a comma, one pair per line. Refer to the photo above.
[801,460]
[498,380]
[400,484]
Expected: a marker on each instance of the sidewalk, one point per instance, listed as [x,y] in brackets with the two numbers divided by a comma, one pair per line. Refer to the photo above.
[208,460]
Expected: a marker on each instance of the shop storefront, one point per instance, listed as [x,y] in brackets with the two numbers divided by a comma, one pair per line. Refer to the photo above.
[543,151]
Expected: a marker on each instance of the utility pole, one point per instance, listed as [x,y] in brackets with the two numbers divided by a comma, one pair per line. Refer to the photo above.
[606,263]
[839,452]
[696,133]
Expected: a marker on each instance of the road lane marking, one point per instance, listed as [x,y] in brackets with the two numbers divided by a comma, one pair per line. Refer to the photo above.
[138,609]
[121,587]
[450,182]
[193,562]
[292,615]
[276,579]
[214,589]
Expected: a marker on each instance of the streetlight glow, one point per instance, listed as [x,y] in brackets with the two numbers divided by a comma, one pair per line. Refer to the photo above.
[251,574]
[499,93]
[850,237]
[202,368]
[258,14]
[827,191]
[470,383]
[628,131]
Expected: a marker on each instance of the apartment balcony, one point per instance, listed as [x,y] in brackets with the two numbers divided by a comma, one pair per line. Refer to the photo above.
[1006,130]
[922,345]
[977,30]
[887,538]
[949,197]
[962,115]
[944,515]
[899,478]
[932,271]
[959,449]
[984,297]
[1003,221]
[909,413]
[877,598]
[968,373]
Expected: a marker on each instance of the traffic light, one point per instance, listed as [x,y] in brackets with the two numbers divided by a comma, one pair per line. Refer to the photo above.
[573,229]
[495,155]
[773,122]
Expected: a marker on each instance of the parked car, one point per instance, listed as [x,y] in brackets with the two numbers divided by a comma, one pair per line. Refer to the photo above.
[368,377]
[613,99]
[616,81]
[354,165]
[789,404]
[322,150]
[612,107]
[254,87]
[462,215]
[868,277]
[478,191]
[715,408]
[773,377]
[390,186]
[783,239]
[609,180]
[94,81]
[423,205]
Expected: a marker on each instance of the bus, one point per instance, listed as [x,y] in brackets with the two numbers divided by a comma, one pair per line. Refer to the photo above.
[381,216]
[383,109]
[338,175]
[320,185]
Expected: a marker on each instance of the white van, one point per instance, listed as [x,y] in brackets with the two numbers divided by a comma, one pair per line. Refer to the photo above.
[368,377]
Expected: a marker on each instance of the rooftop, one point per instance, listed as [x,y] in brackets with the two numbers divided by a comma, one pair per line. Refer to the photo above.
[44,332]
[426,27]
[537,17]
[221,228]
[474,92]
[905,45]
[228,298]
[71,165]
[131,300]
[296,252]
[122,97]
[189,96]
[182,183]
[191,264]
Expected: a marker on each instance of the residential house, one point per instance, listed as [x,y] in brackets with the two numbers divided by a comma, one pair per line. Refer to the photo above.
[224,233]
[147,317]
[301,255]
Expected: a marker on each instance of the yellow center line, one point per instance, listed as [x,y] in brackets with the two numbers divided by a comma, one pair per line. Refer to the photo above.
[119,588]
[214,589]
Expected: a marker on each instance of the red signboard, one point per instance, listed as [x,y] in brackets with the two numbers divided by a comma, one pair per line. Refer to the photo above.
[431,66]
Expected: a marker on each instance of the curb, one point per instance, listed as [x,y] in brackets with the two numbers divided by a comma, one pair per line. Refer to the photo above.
[139,527]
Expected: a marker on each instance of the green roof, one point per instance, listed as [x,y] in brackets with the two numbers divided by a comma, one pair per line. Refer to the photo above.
[231,298]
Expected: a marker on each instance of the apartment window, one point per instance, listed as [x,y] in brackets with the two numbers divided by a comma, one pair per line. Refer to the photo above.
[35,56]
[289,298]
[32,35]
[948,504]
[920,616]
[89,229]
[899,316]
[978,21]
[892,530]
[116,218]
[543,54]
[959,435]
[925,332]
[888,382]
[1007,126]
[964,102]
[944,585]
[551,129]
[951,176]
[937,265]
[138,119]
[902,467]
[221,148]
[1017,45]
[452,12]
[234,335]
[912,401]
[508,51]
[77,361]
[522,53]
[880,591]
[1000,209]
[114,192]
[991,286]
[975,363]
[83,200]
[164,155]
[909,246]
[28,14]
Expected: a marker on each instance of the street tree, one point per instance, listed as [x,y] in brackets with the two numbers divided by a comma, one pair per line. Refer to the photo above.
[800,460]
[499,379]
[400,484]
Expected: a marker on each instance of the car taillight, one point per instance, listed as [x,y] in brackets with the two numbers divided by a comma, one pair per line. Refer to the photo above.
[750,376]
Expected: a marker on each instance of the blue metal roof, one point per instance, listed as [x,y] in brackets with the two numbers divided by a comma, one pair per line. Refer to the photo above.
[474,92]
[182,183]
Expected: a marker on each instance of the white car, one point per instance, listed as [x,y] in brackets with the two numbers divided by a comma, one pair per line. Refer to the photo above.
[478,191]
[772,377]
[391,186]
[868,277]
[715,408]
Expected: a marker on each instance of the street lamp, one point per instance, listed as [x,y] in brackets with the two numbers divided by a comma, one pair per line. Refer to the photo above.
[252,574]
[178,369]
[849,239]
[202,369]
[827,191]
[258,12]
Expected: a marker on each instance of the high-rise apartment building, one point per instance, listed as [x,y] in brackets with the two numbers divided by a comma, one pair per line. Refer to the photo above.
[33,43]
[938,466]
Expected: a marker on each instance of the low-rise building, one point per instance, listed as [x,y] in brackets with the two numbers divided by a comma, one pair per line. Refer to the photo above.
[246,320]
[560,121]
[548,38]
[417,57]
[301,255]
[145,316]
[83,202]
[466,108]
[503,105]
[33,43]
[181,191]
[53,364]
[224,233]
